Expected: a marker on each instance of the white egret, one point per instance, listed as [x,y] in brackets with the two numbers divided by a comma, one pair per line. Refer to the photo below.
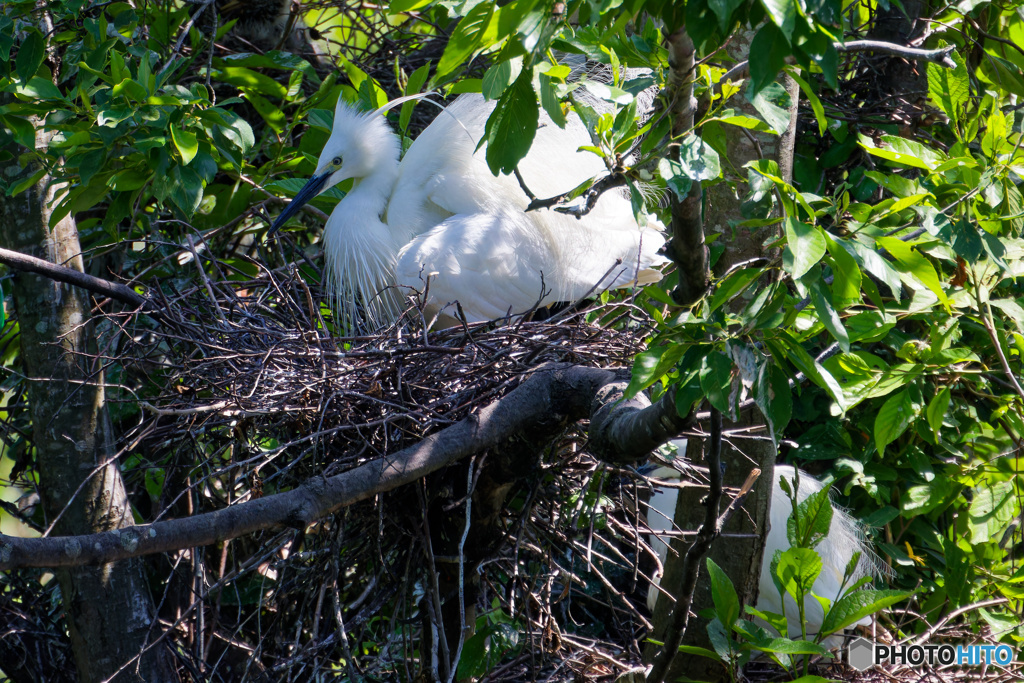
[440,217]
[844,539]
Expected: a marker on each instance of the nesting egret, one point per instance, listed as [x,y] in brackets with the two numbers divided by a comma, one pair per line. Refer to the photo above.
[439,222]
[844,539]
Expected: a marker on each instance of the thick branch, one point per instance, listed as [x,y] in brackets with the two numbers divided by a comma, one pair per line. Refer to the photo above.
[624,431]
[113,290]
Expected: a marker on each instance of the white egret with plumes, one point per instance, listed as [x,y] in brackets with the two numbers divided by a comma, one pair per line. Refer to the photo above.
[438,222]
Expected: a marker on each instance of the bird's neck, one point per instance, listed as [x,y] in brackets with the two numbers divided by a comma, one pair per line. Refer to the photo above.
[361,251]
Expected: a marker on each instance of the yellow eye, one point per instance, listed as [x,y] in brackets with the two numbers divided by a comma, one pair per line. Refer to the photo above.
[336,161]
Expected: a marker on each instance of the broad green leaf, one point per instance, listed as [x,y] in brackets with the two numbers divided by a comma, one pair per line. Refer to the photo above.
[846,275]
[30,55]
[40,88]
[873,262]
[772,102]
[716,380]
[723,10]
[822,300]
[274,117]
[465,40]
[995,135]
[993,507]
[651,365]
[130,89]
[812,522]
[812,98]
[698,160]
[771,48]
[748,122]
[910,260]
[676,180]
[805,246]
[732,286]
[784,14]
[774,398]
[262,84]
[185,142]
[949,88]
[903,151]
[852,608]
[412,87]
[936,410]
[723,594]
[510,130]
[23,131]
[500,76]
[549,100]
[893,419]
[797,570]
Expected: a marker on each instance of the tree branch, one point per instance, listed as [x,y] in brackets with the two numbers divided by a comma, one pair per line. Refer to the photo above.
[624,431]
[708,532]
[113,290]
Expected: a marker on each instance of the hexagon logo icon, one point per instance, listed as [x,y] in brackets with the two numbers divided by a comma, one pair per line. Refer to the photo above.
[859,654]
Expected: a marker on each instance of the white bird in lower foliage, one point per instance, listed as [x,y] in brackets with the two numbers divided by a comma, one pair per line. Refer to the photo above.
[844,539]
[440,222]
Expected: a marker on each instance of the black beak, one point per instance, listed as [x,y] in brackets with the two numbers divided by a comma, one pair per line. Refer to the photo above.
[311,189]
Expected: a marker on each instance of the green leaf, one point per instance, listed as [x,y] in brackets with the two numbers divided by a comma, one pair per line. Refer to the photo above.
[893,419]
[274,117]
[903,151]
[676,180]
[910,260]
[805,246]
[651,365]
[783,13]
[30,55]
[732,286]
[465,40]
[130,89]
[500,76]
[723,9]
[40,88]
[186,143]
[512,125]
[936,410]
[549,100]
[812,522]
[723,594]
[23,131]
[772,102]
[812,98]
[771,48]
[949,88]
[822,300]
[852,608]
[412,87]
[993,507]
[698,160]
[797,570]
[774,398]
[250,80]
[716,380]
[846,275]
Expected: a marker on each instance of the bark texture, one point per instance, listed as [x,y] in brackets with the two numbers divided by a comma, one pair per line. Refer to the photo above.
[109,609]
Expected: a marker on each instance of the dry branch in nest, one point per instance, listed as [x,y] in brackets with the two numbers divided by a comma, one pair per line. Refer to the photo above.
[245,393]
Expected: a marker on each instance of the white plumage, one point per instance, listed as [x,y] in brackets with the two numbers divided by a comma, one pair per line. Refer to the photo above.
[844,539]
[440,214]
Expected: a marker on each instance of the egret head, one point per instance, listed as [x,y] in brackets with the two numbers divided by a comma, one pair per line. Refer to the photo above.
[360,145]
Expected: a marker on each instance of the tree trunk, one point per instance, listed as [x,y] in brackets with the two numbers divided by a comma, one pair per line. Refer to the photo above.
[740,558]
[109,610]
